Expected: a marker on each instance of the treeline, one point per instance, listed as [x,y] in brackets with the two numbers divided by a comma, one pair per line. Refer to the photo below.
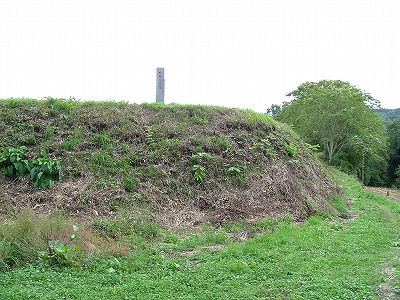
[343,122]
[388,114]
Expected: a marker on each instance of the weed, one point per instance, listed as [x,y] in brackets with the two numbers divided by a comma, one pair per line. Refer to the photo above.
[291,150]
[128,223]
[265,146]
[44,171]
[237,172]
[49,132]
[199,120]
[59,254]
[71,142]
[199,157]
[103,159]
[28,140]
[27,235]
[101,139]
[314,148]
[130,183]
[149,138]
[222,142]
[199,172]
[12,162]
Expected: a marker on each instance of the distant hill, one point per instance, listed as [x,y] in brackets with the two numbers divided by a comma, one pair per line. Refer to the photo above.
[388,114]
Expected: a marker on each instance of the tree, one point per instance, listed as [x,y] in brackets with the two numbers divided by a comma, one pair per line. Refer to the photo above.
[372,149]
[338,116]
[393,129]
[396,182]
[274,110]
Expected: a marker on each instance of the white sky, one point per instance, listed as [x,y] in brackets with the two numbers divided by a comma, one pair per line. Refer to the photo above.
[235,53]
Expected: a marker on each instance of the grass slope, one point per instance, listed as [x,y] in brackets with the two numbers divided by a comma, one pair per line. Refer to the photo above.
[332,258]
[190,164]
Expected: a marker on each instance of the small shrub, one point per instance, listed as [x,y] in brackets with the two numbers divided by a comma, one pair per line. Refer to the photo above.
[199,120]
[130,183]
[12,162]
[199,173]
[237,172]
[44,171]
[102,159]
[313,148]
[291,150]
[101,139]
[265,146]
[222,142]
[59,253]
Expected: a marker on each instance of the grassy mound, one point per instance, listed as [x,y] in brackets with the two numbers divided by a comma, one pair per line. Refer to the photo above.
[188,164]
[320,258]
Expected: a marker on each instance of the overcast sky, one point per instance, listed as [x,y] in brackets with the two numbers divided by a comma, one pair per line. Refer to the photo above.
[246,53]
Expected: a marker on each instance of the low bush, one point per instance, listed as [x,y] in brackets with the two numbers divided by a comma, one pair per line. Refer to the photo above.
[43,170]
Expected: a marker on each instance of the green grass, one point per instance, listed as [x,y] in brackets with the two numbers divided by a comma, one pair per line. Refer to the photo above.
[317,259]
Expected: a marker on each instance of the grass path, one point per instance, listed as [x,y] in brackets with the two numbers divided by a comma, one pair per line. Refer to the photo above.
[321,258]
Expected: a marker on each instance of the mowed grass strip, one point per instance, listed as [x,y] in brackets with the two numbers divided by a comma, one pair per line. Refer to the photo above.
[322,258]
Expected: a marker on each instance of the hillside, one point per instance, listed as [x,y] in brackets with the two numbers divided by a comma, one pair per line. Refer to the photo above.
[388,114]
[188,164]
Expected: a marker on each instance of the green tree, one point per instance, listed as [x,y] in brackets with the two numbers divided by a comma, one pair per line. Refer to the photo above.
[393,129]
[274,110]
[396,182]
[340,117]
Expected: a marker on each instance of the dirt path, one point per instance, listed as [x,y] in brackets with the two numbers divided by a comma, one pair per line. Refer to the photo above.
[391,193]
[389,272]
[387,292]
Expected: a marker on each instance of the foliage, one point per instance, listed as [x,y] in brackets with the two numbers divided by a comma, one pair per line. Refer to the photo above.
[199,120]
[388,114]
[396,183]
[12,162]
[266,146]
[371,148]
[199,173]
[314,148]
[291,150]
[198,170]
[59,254]
[338,116]
[28,237]
[43,170]
[237,172]
[274,110]
[393,129]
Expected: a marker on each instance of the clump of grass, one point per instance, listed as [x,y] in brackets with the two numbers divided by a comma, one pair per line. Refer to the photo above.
[55,240]
[128,223]
[23,237]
